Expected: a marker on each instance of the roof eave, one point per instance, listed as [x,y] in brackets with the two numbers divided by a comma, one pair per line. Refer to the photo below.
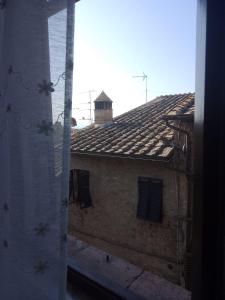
[123,156]
[183,118]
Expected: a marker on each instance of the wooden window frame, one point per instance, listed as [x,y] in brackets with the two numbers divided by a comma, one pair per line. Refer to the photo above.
[208,273]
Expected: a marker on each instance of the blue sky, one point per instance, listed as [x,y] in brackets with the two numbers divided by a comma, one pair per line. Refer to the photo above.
[115,40]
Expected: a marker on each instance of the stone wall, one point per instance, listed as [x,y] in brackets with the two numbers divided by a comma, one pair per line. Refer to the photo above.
[111,223]
[102,116]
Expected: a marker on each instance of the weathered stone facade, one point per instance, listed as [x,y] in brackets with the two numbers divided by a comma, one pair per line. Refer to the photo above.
[104,116]
[155,141]
[111,223]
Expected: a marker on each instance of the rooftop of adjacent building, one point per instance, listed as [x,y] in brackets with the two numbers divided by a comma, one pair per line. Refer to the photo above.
[138,133]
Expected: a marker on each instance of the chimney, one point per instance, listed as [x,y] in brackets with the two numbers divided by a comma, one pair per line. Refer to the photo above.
[103,109]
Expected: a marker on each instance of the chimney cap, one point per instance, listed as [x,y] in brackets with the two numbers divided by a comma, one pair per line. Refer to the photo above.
[103,97]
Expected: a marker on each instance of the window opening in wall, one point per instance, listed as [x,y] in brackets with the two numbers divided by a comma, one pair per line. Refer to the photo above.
[130,172]
[150,199]
[79,188]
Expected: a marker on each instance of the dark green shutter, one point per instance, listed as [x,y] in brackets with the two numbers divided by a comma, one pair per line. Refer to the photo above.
[150,199]
[143,193]
[73,186]
[155,196]
[83,189]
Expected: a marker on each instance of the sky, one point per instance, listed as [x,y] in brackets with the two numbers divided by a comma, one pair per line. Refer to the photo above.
[116,40]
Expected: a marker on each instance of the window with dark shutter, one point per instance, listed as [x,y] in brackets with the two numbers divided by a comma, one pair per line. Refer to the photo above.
[79,188]
[150,199]
[84,197]
[73,186]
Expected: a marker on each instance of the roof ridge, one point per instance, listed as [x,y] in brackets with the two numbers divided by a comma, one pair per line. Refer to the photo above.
[178,94]
[153,101]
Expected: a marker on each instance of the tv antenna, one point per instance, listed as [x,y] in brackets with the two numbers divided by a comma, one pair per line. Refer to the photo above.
[90,105]
[90,102]
[144,77]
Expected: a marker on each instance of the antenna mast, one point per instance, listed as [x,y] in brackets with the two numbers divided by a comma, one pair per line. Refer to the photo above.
[90,105]
[144,77]
[90,102]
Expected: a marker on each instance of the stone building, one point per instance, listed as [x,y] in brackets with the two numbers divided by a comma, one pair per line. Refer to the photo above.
[130,183]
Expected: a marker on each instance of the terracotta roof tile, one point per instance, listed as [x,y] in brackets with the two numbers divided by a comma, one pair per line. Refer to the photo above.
[139,133]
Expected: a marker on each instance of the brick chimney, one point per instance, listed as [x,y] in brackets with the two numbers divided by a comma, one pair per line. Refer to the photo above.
[103,109]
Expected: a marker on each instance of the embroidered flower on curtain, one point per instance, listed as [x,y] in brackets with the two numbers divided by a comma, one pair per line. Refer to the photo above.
[46,87]
[41,267]
[5,244]
[65,202]
[45,127]
[10,70]
[2,4]
[64,238]
[9,108]
[41,229]
[5,207]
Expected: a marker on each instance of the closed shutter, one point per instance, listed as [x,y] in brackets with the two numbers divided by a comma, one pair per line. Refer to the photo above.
[155,196]
[143,193]
[150,199]
[83,189]
[73,187]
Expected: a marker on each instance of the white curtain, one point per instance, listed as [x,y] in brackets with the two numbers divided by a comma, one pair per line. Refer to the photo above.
[36,51]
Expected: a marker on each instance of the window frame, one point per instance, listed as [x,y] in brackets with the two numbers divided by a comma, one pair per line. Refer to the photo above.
[77,189]
[150,184]
[208,273]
